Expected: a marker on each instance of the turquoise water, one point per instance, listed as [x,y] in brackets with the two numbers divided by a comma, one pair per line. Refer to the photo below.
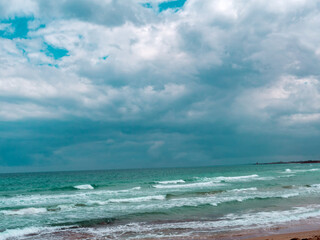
[124,204]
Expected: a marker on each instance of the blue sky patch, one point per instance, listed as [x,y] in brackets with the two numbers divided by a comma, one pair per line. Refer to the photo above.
[15,28]
[171,4]
[176,4]
[56,52]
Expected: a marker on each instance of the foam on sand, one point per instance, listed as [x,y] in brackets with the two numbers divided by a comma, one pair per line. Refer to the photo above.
[228,222]
[20,232]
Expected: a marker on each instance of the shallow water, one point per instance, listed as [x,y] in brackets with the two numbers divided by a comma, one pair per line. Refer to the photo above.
[124,204]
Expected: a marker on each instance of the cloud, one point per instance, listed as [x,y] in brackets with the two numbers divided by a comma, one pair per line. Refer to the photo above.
[189,68]
[287,103]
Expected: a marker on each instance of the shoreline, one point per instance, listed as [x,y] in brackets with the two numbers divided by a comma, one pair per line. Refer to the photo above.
[293,232]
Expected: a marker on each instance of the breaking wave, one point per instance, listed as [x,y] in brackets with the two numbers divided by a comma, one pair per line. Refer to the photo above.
[24,211]
[172,181]
[84,187]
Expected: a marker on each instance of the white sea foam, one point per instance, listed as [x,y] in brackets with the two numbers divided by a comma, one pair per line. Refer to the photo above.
[101,192]
[16,233]
[125,190]
[216,199]
[172,181]
[20,232]
[308,170]
[84,187]
[214,181]
[189,185]
[62,198]
[237,178]
[24,211]
[246,178]
[227,223]
[138,199]
[287,176]
[244,189]
[301,170]
[64,207]
[247,195]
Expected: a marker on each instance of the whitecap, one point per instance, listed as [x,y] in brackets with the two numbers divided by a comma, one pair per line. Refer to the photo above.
[172,181]
[138,199]
[24,211]
[188,185]
[245,178]
[301,170]
[308,170]
[127,190]
[237,178]
[84,187]
[243,189]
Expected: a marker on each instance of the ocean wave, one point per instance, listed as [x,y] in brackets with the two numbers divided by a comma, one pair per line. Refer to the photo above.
[62,198]
[127,190]
[243,189]
[84,187]
[246,178]
[128,200]
[288,170]
[117,191]
[24,211]
[188,185]
[243,198]
[172,181]
[20,232]
[226,223]
[223,198]
[16,233]
[192,194]
[237,178]
[138,199]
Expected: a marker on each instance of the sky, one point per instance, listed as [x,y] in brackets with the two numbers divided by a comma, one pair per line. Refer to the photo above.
[106,84]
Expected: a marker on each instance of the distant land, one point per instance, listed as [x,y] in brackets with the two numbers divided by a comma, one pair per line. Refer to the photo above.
[291,162]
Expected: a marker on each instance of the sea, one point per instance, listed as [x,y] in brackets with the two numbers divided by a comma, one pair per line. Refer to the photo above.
[168,203]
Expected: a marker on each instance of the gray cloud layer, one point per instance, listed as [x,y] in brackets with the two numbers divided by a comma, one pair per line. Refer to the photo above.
[214,82]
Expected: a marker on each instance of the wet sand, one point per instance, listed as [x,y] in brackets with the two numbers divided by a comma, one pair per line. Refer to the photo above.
[310,235]
[303,230]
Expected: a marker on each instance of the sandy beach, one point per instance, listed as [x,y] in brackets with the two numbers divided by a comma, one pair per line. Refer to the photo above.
[257,234]
[310,235]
